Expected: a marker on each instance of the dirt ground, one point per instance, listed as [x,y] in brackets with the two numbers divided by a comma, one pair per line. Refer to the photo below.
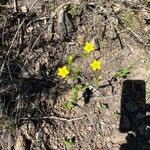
[36,37]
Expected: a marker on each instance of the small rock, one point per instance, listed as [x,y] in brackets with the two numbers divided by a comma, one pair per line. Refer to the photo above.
[80,39]
[126,51]
[147,28]
[117,8]
[131,106]
[29,29]
[105,129]
[20,143]
[81,103]
[118,137]
[90,128]
[95,43]
[114,20]
[24,9]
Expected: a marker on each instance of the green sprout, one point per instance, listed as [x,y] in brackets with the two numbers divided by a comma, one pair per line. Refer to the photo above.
[103,107]
[69,105]
[122,73]
[116,114]
[74,10]
[69,143]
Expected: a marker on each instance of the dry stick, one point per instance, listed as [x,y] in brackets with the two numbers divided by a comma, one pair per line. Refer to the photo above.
[51,117]
[9,142]
[15,5]
[36,41]
[137,37]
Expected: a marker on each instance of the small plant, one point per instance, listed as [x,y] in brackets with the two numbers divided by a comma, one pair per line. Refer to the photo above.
[69,143]
[96,81]
[147,2]
[68,105]
[130,19]
[103,107]
[122,73]
[74,96]
[73,72]
[74,10]
[116,114]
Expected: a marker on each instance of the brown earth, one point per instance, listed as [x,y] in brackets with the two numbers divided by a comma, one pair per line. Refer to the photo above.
[36,38]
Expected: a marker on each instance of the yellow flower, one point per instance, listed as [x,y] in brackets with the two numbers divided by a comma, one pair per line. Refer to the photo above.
[89,47]
[63,72]
[96,65]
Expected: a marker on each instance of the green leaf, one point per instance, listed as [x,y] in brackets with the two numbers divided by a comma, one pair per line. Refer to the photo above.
[68,105]
[116,114]
[103,107]
[122,73]
[70,59]
[74,10]
[96,81]
[69,144]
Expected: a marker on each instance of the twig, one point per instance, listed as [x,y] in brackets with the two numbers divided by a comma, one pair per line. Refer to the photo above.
[6,6]
[9,142]
[137,37]
[15,5]
[36,41]
[51,117]
[3,39]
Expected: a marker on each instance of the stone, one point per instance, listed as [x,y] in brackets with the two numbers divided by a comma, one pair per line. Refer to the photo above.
[126,51]
[20,143]
[118,137]
[81,103]
[80,39]
[95,43]
[24,9]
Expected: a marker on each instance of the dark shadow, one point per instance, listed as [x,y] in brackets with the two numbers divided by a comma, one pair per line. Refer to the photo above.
[133,115]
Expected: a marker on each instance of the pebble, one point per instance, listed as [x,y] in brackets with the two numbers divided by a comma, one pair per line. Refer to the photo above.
[80,39]
[81,103]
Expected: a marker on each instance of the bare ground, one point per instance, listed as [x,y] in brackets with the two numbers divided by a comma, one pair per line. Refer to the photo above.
[34,43]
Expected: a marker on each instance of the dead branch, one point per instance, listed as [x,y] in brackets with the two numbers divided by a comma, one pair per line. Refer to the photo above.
[51,117]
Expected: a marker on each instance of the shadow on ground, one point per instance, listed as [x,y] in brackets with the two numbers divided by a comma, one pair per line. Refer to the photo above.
[134,120]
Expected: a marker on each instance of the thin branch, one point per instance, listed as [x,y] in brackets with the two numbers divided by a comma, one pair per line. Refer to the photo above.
[51,117]
[137,37]
[15,5]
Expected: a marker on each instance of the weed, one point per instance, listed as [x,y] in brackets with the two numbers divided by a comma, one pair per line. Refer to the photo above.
[74,10]
[73,72]
[116,114]
[68,105]
[147,2]
[103,107]
[74,96]
[122,73]
[7,125]
[129,18]
[69,143]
